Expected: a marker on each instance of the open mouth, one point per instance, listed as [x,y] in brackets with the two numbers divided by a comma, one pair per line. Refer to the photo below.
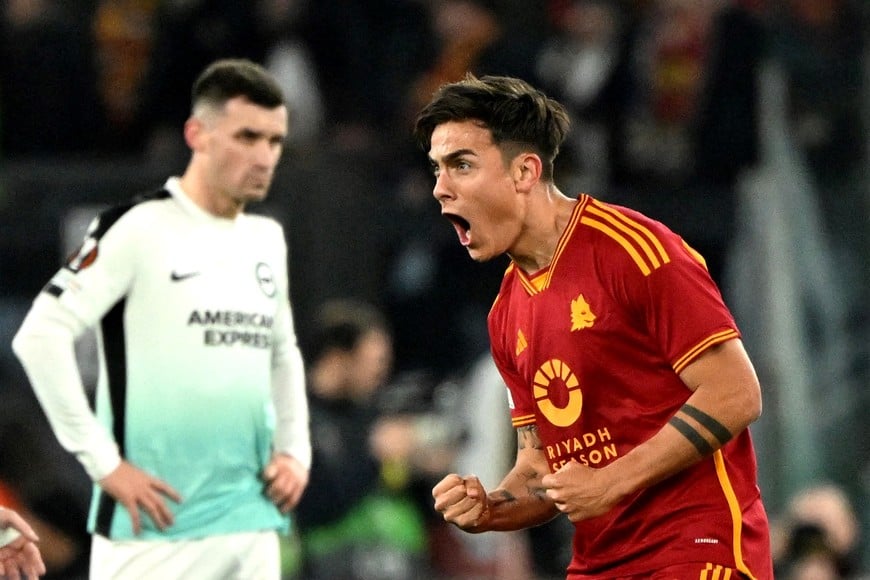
[462,227]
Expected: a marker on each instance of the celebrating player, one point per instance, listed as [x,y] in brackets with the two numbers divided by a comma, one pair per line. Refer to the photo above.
[627,380]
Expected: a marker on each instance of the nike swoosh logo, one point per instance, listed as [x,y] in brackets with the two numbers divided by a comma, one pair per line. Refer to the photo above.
[176,277]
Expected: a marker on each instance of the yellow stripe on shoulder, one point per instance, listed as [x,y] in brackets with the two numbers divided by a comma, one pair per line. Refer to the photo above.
[640,242]
[693,352]
[632,251]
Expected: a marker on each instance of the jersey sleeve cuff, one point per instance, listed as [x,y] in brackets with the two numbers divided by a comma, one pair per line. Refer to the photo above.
[301,453]
[101,463]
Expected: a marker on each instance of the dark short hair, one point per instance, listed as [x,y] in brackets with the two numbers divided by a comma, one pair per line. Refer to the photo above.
[230,78]
[514,111]
[340,324]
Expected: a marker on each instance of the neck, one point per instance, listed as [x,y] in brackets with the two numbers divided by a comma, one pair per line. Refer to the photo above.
[547,218]
[198,190]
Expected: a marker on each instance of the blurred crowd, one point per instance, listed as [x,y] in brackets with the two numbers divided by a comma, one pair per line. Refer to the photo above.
[664,97]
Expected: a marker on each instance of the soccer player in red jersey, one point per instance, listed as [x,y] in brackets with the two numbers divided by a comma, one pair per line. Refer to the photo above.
[628,382]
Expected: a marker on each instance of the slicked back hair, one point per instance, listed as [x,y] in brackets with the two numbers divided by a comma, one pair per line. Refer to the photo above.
[517,115]
[230,78]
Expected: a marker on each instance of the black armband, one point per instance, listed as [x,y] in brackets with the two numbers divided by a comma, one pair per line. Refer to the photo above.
[695,438]
[718,430]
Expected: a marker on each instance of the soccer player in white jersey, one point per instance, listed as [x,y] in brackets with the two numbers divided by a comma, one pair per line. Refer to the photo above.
[199,446]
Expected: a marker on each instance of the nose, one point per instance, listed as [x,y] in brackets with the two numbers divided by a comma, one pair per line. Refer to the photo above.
[266,154]
[441,191]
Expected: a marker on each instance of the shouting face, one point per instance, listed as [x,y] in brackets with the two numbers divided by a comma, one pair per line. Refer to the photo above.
[477,189]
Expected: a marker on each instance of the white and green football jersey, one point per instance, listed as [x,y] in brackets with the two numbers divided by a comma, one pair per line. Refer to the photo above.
[201,379]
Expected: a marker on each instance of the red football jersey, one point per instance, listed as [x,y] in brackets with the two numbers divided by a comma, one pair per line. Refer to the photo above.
[590,349]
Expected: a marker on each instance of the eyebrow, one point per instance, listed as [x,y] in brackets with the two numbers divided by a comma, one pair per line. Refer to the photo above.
[450,157]
[259,134]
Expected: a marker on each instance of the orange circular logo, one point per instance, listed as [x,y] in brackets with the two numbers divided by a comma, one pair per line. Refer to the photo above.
[557,392]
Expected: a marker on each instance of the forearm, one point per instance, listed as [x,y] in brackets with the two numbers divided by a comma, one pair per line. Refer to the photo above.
[520,500]
[292,434]
[507,512]
[665,454]
[710,418]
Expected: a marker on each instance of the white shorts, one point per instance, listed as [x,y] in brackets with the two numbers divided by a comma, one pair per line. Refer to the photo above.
[242,556]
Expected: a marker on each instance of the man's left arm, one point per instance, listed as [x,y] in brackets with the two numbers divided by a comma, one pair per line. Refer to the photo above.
[725,400]
[286,475]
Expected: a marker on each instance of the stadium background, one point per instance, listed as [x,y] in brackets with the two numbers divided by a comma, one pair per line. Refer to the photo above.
[743,124]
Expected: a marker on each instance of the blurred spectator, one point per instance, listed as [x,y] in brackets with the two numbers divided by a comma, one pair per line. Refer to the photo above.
[365,52]
[670,45]
[48,98]
[123,37]
[726,125]
[821,43]
[464,30]
[581,66]
[819,537]
[680,117]
[435,297]
[188,35]
[289,59]
[474,36]
[358,518]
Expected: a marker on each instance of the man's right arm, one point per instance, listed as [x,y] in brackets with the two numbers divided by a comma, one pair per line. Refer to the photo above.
[518,502]
[45,345]
[90,283]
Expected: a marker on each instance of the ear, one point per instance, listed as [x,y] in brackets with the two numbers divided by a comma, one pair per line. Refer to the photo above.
[194,133]
[526,170]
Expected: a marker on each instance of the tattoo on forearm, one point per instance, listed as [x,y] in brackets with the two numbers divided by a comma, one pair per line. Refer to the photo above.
[528,438]
[695,438]
[718,430]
